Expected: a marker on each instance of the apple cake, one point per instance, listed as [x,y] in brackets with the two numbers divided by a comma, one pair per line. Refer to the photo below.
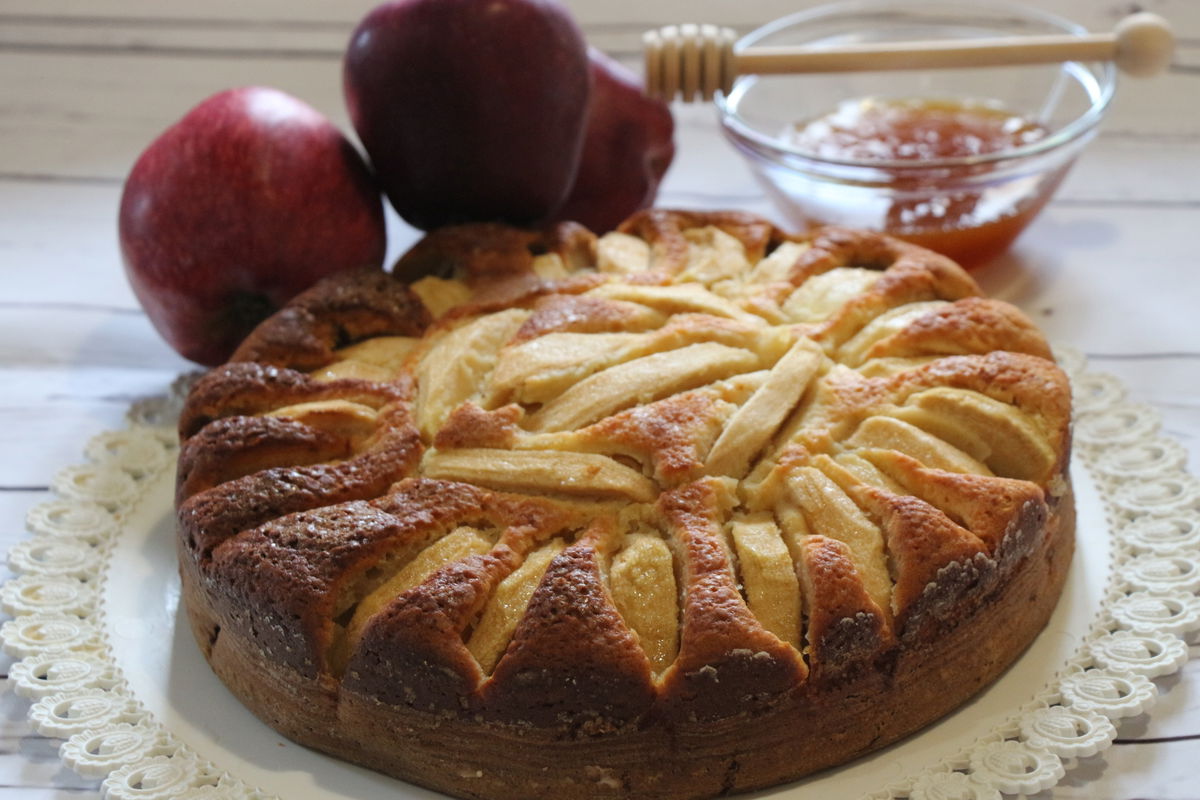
[687,509]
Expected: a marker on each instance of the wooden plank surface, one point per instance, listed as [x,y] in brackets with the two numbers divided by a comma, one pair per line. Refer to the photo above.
[1111,267]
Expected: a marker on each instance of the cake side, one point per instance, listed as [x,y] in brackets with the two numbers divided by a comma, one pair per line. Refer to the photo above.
[822,725]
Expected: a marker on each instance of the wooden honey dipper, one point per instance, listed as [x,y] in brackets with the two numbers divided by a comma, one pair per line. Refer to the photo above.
[694,61]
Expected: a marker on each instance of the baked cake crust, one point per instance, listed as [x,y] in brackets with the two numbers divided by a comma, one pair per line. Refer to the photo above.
[693,508]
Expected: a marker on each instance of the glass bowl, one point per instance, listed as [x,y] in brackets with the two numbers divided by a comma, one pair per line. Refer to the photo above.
[970,208]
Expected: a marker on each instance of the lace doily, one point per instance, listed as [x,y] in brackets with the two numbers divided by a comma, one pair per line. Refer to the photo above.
[66,668]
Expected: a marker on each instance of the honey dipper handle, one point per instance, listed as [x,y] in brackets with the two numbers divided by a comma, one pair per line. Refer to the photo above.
[694,61]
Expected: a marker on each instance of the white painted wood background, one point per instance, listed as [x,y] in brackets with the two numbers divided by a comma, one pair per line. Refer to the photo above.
[1111,267]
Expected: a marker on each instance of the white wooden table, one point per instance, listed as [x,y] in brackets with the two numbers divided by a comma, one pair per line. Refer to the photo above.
[1111,267]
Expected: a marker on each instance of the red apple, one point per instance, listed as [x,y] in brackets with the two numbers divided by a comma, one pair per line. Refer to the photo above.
[627,148]
[470,110]
[250,198]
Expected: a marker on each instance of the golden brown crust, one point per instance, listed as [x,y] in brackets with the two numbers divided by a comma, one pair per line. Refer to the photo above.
[1026,382]
[583,314]
[834,247]
[908,279]
[728,665]
[927,549]
[969,325]
[247,389]
[665,231]
[670,435]
[846,628]
[572,664]
[739,495]
[471,426]
[232,447]
[486,250]
[337,311]
[209,517]
[279,582]
[412,653]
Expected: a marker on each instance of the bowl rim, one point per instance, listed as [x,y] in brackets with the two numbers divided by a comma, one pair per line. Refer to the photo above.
[1099,83]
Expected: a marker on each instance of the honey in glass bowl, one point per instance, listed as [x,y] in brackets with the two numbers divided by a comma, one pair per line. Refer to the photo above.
[958,160]
[938,208]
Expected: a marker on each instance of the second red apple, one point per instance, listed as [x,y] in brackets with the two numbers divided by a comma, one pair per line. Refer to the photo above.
[470,110]
[627,148]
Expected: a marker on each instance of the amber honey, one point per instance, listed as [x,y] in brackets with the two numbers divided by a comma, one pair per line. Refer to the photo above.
[933,160]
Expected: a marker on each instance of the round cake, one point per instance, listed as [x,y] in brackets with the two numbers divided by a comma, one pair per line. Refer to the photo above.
[691,508]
